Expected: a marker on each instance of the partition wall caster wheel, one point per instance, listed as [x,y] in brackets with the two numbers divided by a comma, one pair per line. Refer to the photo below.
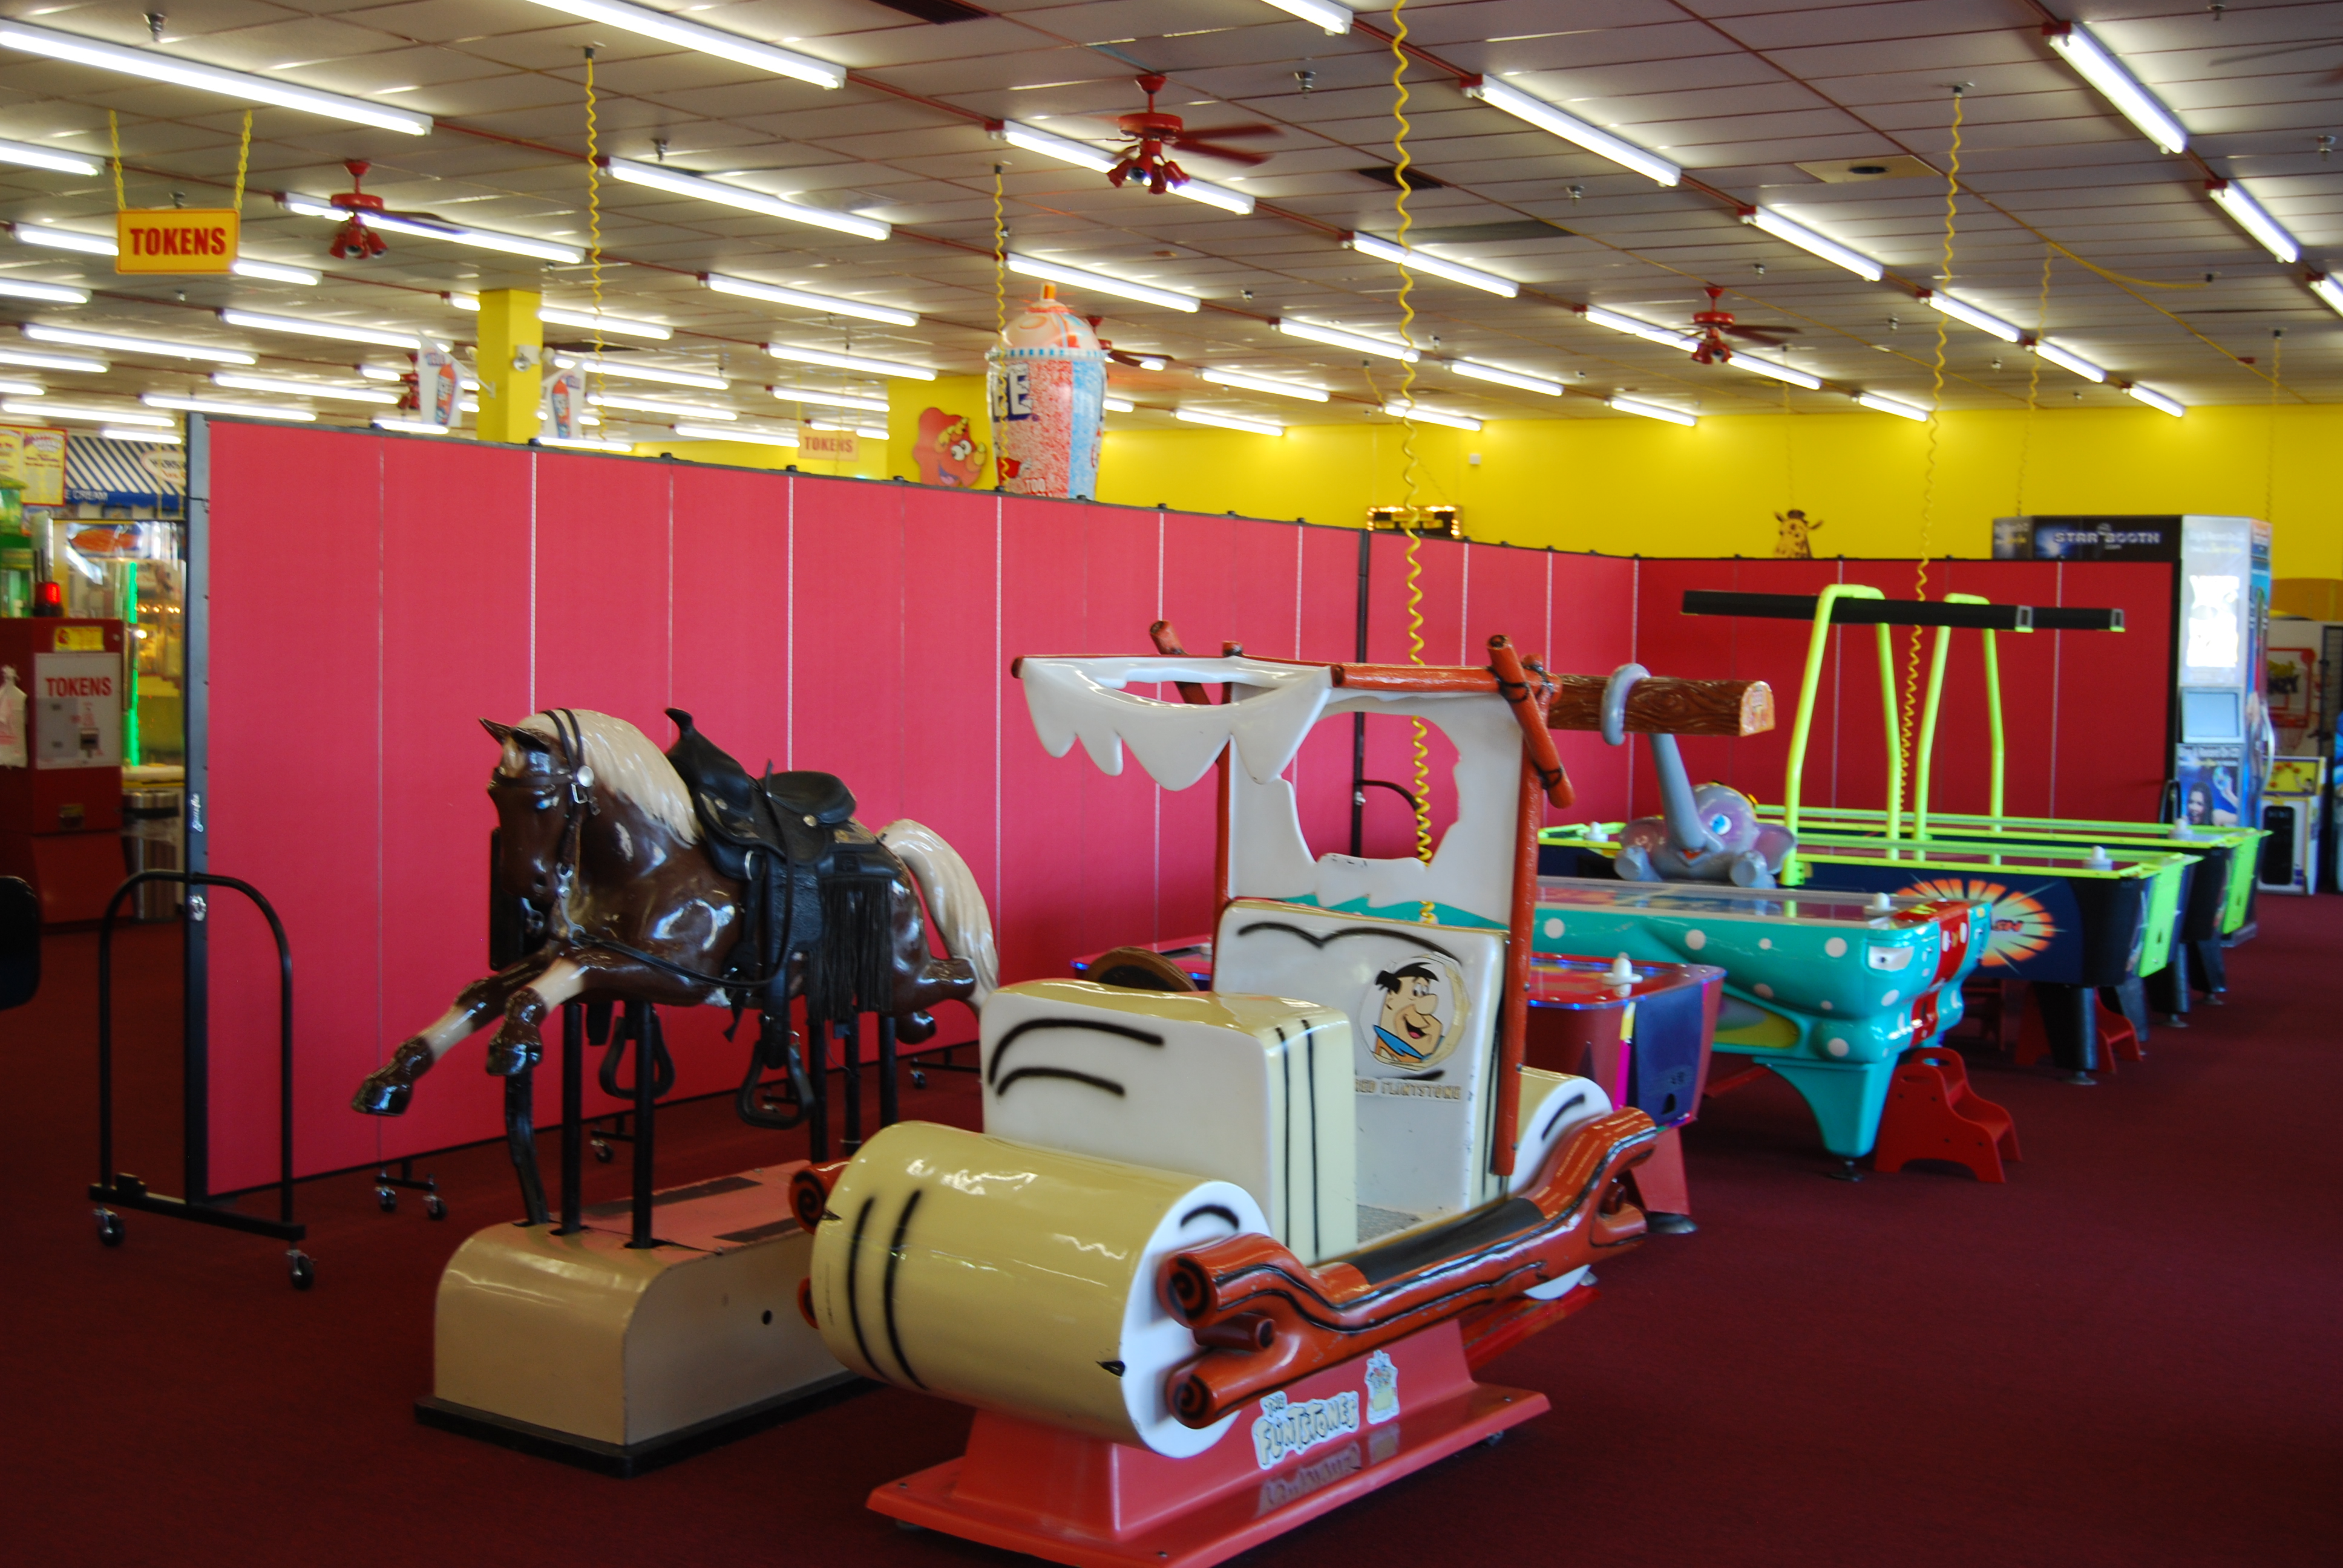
[305,1271]
[109,1228]
[919,1079]
[601,1151]
[435,1206]
[1494,1439]
[387,1199]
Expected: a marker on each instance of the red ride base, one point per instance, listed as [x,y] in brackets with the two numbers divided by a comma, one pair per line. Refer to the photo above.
[1093,1503]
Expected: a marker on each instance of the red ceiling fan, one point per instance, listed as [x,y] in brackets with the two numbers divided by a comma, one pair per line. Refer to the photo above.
[1153,134]
[353,241]
[1714,325]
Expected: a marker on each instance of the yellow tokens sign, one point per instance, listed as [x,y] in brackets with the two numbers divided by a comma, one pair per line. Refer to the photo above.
[174,239]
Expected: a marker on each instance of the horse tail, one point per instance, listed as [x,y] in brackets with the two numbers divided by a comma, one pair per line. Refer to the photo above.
[953,899]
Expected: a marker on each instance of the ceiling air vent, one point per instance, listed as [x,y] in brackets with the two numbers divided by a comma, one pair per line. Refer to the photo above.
[936,10]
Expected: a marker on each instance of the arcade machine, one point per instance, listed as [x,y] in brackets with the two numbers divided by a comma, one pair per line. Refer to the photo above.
[1223,1261]
[61,810]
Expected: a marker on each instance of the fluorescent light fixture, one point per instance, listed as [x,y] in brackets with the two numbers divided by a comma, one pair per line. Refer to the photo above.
[470,302]
[1357,342]
[1571,128]
[34,158]
[1666,337]
[583,444]
[1210,195]
[468,404]
[154,67]
[453,233]
[829,399]
[409,426]
[44,410]
[23,388]
[675,182]
[620,325]
[302,389]
[1778,371]
[2321,284]
[1807,240]
[1262,384]
[655,405]
[1152,362]
[2158,401]
[123,343]
[1335,19]
[1418,412]
[273,271]
[1653,411]
[629,370]
[2095,65]
[307,327]
[856,362]
[685,34]
[1962,310]
[691,432]
[151,437]
[381,373]
[1083,277]
[218,405]
[2066,359]
[2232,200]
[64,239]
[1879,405]
[1228,422]
[867,432]
[34,288]
[1082,154]
[1418,261]
[1503,377]
[33,361]
[1119,406]
[800,299]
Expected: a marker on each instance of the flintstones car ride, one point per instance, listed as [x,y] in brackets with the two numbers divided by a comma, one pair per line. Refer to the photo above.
[1304,1204]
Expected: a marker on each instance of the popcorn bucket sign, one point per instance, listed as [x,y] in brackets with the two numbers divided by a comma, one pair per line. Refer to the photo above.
[1047,381]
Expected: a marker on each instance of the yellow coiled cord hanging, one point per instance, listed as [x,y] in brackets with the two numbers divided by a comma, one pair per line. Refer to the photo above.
[1419,746]
[1936,417]
[594,217]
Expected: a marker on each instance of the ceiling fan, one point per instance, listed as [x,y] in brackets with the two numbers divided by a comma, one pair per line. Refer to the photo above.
[1124,356]
[353,241]
[1153,134]
[1714,325]
[2305,46]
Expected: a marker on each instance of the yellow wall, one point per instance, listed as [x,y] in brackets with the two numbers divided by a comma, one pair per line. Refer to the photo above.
[1637,486]
[870,462]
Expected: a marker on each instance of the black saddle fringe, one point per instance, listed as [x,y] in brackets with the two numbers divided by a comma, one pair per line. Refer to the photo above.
[853,967]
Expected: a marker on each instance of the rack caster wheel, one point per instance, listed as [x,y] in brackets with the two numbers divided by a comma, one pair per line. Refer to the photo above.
[1494,1439]
[305,1271]
[435,1206]
[919,1079]
[109,1228]
[387,1199]
[601,1151]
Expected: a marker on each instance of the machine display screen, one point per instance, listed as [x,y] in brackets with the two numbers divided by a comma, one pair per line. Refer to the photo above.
[2210,717]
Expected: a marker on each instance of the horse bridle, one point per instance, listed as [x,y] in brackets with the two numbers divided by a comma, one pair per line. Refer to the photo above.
[571,736]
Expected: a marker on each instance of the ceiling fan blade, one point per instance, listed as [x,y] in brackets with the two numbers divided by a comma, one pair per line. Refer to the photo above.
[1227,154]
[1216,133]
[2283,49]
[1761,334]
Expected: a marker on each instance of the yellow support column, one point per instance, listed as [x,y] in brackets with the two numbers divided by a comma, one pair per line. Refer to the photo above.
[511,343]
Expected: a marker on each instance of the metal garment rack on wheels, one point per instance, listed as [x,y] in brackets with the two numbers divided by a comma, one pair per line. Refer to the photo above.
[116,1190]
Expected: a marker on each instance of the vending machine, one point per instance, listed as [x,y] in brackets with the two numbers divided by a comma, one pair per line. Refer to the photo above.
[2292,812]
[2220,732]
[61,808]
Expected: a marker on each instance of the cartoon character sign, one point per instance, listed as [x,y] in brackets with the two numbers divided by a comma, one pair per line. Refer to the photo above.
[1413,1013]
[1795,542]
[949,452]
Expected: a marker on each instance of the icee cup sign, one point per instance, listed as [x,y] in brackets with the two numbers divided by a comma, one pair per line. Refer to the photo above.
[1047,382]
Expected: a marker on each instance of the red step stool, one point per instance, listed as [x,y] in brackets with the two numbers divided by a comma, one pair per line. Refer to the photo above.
[2008,1019]
[1933,1114]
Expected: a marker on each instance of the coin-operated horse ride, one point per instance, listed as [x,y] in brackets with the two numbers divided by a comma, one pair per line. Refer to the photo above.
[676,880]
[1225,1260]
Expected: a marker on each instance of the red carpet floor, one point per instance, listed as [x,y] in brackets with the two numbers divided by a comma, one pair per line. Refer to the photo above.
[2126,1355]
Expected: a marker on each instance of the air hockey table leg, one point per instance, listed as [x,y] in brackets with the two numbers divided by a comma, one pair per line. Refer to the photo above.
[2130,999]
[2070,1017]
[1846,1101]
[1661,1187]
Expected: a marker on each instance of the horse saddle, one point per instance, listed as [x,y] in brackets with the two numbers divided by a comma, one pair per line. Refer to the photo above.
[789,815]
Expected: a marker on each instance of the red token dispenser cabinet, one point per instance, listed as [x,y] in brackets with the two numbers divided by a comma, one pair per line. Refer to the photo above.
[61,813]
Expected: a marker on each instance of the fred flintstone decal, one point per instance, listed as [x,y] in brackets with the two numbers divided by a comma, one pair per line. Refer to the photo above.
[1414,1013]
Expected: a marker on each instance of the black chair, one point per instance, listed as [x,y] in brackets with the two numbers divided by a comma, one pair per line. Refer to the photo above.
[20,942]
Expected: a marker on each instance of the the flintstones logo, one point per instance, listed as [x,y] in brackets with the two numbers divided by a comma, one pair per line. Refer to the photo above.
[2016,925]
[1287,1428]
[1413,1013]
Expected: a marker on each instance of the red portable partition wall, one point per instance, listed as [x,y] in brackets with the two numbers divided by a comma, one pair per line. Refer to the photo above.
[360,601]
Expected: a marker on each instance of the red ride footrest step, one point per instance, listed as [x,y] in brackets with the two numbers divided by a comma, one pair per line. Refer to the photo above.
[1933,1114]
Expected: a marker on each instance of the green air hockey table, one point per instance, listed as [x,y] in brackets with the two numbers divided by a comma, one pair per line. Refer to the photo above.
[1826,987]
[2067,921]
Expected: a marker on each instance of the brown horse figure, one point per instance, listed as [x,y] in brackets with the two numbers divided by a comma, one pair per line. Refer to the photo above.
[600,839]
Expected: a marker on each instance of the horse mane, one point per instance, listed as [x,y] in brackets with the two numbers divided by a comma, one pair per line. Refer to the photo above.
[625,762]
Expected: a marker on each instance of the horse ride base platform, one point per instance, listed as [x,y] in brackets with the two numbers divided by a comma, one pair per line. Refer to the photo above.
[1289,1458]
[619,1359]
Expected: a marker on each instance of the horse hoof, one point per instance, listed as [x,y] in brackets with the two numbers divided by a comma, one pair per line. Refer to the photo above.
[377,1097]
